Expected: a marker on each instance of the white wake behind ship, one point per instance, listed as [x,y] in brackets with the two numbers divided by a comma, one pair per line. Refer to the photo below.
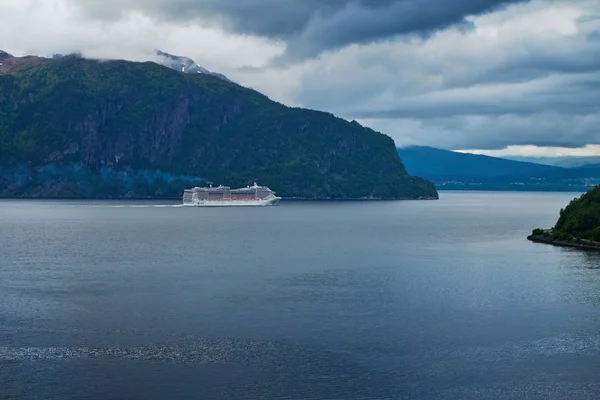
[224,196]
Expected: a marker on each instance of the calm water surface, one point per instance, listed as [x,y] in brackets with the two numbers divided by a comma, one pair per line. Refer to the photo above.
[310,300]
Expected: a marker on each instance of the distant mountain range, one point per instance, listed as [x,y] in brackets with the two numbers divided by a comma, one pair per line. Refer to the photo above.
[560,161]
[592,166]
[462,171]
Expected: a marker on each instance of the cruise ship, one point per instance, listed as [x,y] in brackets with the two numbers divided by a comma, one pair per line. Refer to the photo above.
[224,196]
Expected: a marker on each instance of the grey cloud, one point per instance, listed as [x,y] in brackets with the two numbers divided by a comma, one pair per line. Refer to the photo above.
[362,23]
[494,132]
[309,26]
[579,98]
[572,94]
[540,89]
[566,114]
[543,129]
[576,92]
[528,74]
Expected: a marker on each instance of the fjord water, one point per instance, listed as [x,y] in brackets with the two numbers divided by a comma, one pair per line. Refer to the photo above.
[310,300]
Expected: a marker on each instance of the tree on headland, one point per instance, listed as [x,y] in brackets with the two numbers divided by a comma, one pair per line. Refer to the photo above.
[580,218]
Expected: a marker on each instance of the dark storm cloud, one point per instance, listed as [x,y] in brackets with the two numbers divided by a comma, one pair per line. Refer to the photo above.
[309,26]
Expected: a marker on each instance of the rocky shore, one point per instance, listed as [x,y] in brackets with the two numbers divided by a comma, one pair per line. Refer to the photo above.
[582,244]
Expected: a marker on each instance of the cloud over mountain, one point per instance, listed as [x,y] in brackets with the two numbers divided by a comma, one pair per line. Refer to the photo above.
[307,26]
[454,74]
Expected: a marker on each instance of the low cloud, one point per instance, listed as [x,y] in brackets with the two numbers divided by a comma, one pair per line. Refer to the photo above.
[539,151]
[56,26]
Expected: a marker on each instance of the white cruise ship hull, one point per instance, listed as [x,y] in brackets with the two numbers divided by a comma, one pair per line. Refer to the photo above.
[235,203]
[224,196]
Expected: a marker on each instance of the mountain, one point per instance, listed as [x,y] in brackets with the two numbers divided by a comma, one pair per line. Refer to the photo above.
[592,166]
[72,127]
[184,64]
[446,164]
[558,161]
[10,64]
[178,63]
[452,170]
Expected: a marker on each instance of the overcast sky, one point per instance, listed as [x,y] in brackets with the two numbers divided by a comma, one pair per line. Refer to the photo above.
[460,74]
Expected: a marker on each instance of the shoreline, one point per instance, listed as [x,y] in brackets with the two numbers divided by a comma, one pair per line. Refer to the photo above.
[561,243]
[357,198]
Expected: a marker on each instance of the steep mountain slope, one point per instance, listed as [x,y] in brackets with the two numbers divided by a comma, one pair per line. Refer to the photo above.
[81,118]
[452,170]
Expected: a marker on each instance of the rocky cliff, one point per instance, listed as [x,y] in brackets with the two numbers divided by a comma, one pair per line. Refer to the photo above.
[76,127]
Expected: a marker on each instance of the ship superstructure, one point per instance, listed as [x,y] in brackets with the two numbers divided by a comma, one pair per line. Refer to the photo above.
[226,196]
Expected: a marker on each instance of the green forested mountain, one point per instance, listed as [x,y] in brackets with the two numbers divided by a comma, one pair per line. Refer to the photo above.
[76,127]
[581,218]
[578,224]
